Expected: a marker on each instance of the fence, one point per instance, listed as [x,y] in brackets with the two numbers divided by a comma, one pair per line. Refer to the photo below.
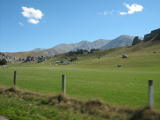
[71,86]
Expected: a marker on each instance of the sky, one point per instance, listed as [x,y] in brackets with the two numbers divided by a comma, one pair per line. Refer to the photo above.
[30,24]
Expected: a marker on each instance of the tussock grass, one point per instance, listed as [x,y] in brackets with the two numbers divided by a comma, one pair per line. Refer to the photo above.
[94,107]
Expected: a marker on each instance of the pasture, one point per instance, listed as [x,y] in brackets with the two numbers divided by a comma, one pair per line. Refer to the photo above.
[93,78]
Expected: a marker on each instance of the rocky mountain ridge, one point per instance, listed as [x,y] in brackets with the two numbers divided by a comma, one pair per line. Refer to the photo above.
[123,40]
[85,45]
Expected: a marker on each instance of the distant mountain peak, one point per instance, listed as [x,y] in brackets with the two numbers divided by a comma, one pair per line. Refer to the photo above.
[86,45]
[38,49]
[125,36]
[122,40]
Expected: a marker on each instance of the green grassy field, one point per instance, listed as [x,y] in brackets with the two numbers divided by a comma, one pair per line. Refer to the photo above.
[95,78]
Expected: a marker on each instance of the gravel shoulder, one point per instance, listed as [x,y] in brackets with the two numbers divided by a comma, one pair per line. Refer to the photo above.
[3,118]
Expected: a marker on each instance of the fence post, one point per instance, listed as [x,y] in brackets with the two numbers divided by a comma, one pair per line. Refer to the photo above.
[151,93]
[63,84]
[14,79]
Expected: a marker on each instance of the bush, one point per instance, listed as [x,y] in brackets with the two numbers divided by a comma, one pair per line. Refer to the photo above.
[3,61]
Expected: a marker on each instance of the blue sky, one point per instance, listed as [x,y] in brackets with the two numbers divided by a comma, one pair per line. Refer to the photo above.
[29,24]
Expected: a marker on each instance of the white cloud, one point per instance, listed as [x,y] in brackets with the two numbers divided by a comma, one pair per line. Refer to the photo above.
[33,21]
[123,13]
[133,8]
[33,15]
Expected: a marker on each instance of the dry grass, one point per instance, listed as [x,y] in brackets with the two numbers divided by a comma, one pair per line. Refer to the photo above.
[28,53]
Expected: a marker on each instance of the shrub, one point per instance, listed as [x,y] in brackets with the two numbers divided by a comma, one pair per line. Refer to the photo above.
[3,61]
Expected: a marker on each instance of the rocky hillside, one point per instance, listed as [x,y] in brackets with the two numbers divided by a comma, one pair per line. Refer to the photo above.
[24,57]
[8,57]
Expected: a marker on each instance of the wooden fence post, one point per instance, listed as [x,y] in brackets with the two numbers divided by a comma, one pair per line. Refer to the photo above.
[63,84]
[14,79]
[151,93]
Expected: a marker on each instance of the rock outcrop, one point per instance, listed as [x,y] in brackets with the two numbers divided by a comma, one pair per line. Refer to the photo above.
[154,36]
[136,40]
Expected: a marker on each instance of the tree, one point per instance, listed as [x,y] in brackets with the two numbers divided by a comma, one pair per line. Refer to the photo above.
[93,50]
[73,59]
[3,61]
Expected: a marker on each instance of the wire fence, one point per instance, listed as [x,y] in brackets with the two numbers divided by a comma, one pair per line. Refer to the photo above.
[83,85]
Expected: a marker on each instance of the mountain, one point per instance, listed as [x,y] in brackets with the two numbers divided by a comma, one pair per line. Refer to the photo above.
[38,49]
[86,45]
[123,40]
[62,48]
[90,45]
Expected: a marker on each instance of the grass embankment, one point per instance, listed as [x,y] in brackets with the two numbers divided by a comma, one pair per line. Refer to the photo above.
[24,105]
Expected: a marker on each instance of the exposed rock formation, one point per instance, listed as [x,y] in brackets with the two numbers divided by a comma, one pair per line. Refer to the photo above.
[154,35]
[136,40]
